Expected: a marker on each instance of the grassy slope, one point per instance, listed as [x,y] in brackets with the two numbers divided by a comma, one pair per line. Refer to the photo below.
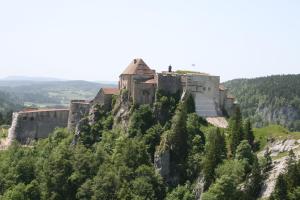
[273,131]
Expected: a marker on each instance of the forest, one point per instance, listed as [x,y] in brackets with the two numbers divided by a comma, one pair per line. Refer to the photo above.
[105,161]
[269,100]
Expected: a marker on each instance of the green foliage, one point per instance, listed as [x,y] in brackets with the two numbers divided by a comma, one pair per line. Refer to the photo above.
[141,120]
[178,138]
[190,104]
[215,153]
[262,135]
[105,162]
[152,138]
[287,185]
[254,182]
[232,168]
[181,193]
[244,152]
[223,189]
[165,106]
[235,132]
[280,192]
[270,94]
[248,133]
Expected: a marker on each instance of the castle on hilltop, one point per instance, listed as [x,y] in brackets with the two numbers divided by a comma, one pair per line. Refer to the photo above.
[211,98]
[141,84]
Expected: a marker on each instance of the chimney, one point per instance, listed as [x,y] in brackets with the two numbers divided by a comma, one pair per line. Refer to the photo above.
[170,68]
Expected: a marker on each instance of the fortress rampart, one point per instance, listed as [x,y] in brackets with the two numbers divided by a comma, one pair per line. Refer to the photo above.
[141,83]
[78,109]
[36,124]
[169,82]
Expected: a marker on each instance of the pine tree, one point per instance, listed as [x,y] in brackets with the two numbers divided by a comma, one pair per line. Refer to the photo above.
[293,172]
[248,133]
[254,181]
[215,152]
[179,142]
[235,131]
[280,192]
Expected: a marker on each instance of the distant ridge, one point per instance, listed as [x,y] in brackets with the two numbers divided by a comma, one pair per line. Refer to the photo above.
[30,78]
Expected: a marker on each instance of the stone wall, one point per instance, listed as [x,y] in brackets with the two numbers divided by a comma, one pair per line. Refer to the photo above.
[78,110]
[103,99]
[32,125]
[229,106]
[169,82]
[144,93]
[205,90]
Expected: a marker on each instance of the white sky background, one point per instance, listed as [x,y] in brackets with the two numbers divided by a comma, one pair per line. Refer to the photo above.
[96,40]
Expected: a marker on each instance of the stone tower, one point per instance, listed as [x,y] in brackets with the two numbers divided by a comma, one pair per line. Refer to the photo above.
[139,80]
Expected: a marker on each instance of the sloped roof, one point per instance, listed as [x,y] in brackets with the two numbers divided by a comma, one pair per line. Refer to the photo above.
[137,66]
[43,110]
[222,87]
[230,96]
[151,81]
[110,90]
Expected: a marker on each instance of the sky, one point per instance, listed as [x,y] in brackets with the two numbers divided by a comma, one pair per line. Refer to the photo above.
[96,40]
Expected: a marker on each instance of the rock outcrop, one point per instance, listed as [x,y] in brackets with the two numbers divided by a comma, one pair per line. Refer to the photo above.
[279,164]
[162,164]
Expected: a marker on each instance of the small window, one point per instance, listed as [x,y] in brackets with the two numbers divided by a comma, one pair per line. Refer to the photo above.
[31,118]
[24,118]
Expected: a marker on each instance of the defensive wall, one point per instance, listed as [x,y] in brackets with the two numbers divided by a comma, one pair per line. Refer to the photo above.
[36,124]
[78,110]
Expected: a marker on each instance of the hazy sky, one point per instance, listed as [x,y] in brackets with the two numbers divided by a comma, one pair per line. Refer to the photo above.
[96,40]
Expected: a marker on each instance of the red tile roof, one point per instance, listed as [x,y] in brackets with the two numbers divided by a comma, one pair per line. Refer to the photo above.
[110,90]
[137,66]
[42,110]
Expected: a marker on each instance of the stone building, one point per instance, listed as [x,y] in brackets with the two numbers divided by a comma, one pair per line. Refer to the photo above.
[141,83]
[104,97]
[139,80]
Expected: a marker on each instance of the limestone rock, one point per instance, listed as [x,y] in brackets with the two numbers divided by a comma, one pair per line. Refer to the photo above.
[162,164]
[199,187]
[279,165]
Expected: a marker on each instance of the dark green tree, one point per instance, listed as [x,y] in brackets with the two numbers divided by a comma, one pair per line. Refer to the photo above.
[181,192]
[248,133]
[280,192]
[235,131]
[190,104]
[254,181]
[223,189]
[179,141]
[215,152]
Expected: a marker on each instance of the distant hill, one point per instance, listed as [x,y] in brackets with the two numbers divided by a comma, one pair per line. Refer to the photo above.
[272,99]
[30,78]
[50,93]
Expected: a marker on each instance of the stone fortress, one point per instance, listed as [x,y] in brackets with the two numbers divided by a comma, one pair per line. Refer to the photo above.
[141,83]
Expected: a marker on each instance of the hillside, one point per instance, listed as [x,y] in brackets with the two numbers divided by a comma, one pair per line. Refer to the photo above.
[50,93]
[272,99]
[8,103]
